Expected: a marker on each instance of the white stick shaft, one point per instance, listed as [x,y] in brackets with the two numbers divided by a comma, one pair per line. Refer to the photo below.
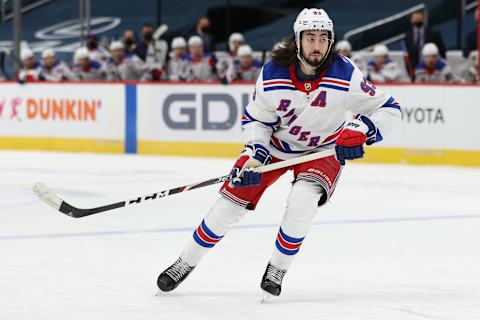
[294,161]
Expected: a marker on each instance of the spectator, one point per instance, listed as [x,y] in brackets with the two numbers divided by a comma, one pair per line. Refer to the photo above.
[54,69]
[178,59]
[246,68]
[202,30]
[382,69]
[471,44]
[225,63]
[30,67]
[418,36]
[129,40]
[86,69]
[345,48]
[96,52]
[200,66]
[433,68]
[152,50]
[124,66]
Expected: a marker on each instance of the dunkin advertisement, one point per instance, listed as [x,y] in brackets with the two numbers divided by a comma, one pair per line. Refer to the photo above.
[93,111]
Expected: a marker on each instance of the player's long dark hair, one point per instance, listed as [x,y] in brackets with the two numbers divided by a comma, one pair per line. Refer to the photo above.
[284,53]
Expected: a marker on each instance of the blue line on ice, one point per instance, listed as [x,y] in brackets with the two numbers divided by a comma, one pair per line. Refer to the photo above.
[248,226]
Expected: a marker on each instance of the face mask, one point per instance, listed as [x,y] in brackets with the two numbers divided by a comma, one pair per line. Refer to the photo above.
[206,29]
[148,36]
[92,45]
[129,42]
[418,24]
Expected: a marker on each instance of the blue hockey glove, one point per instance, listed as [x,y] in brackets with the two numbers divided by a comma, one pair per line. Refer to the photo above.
[244,173]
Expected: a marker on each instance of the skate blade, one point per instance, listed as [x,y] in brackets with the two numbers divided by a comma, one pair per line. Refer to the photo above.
[266,297]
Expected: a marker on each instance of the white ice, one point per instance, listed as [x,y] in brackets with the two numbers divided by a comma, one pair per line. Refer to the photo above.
[396,242]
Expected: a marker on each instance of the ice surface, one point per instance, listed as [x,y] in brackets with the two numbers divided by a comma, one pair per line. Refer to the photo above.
[396,242]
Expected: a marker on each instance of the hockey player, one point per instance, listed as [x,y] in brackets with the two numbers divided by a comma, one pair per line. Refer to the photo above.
[96,52]
[226,63]
[54,69]
[471,72]
[122,66]
[433,68]
[245,67]
[300,105]
[200,66]
[382,69]
[344,48]
[178,59]
[30,67]
[86,69]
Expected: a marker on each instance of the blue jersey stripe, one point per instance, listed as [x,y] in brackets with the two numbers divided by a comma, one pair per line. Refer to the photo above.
[279,88]
[331,86]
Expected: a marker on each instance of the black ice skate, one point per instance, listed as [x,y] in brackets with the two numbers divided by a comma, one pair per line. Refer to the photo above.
[272,281]
[174,275]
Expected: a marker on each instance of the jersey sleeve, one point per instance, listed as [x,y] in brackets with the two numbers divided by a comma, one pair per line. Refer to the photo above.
[366,99]
[259,119]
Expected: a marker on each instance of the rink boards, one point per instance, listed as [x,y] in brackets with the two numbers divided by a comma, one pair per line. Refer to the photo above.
[438,121]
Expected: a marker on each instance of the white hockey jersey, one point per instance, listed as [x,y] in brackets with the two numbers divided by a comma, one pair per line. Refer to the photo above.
[60,71]
[388,72]
[440,73]
[292,117]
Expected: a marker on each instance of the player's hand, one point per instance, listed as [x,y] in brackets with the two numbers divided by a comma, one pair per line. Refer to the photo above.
[350,141]
[244,173]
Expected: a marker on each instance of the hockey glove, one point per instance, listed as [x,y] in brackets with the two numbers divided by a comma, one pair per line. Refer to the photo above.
[354,135]
[244,173]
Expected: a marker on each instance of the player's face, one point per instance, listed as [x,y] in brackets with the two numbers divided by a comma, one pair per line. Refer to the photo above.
[380,60]
[430,60]
[236,45]
[196,50]
[178,52]
[118,54]
[30,63]
[344,52]
[314,46]
[84,63]
[246,61]
[49,62]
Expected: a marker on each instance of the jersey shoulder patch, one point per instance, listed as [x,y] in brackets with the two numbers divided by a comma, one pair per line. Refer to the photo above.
[272,71]
[95,65]
[441,64]
[341,68]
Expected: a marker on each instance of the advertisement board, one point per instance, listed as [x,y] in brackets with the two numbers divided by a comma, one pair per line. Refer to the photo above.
[204,120]
[77,117]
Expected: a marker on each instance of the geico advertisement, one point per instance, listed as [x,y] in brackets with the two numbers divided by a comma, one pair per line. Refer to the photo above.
[191,112]
[436,117]
[62,110]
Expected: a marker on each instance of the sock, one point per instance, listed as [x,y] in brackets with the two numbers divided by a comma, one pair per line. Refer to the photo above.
[302,205]
[221,217]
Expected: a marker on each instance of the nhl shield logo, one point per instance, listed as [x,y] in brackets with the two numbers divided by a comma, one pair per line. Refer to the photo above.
[308,86]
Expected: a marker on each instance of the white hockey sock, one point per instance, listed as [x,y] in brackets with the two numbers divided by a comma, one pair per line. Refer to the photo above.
[221,217]
[302,205]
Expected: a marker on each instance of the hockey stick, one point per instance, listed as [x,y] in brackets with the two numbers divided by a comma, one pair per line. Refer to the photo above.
[50,198]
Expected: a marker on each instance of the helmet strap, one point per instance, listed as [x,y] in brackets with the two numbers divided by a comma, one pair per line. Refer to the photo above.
[308,65]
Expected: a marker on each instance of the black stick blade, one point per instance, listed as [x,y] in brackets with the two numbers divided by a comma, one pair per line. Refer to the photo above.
[51,198]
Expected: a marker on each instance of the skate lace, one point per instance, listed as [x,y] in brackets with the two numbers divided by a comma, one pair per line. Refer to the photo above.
[178,270]
[274,274]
